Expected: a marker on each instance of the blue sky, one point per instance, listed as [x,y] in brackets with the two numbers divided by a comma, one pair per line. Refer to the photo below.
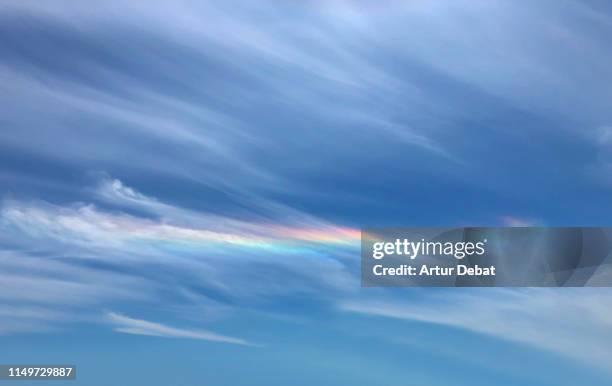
[182,185]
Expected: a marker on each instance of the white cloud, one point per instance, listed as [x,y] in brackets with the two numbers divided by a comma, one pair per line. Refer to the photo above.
[41,293]
[127,325]
[77,257]
[26,318]
[570,322]
[519,222]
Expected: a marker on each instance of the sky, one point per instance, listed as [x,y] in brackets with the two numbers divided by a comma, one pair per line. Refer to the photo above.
[183,184]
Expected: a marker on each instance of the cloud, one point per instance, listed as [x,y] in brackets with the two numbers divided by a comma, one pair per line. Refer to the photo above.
[129,325]
[42,292]
[254,111]
[569,322]
[362,95]
[153,102]
[28,318]
[513,221]
[76,257]
[87,226]
[260,211]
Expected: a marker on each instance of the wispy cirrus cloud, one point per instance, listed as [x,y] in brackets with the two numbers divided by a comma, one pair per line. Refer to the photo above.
[516,221]
[571,322]
[357,89]
[44,289]
[258,128]
[127,325]
[87,257]
[85,224]
[266,218]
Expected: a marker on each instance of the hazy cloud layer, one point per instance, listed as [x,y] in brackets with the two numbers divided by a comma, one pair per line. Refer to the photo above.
[86,258]
[569,322]
[253,106]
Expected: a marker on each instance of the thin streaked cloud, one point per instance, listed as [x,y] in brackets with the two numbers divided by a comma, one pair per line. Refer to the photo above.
[570,322]
[127,325]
